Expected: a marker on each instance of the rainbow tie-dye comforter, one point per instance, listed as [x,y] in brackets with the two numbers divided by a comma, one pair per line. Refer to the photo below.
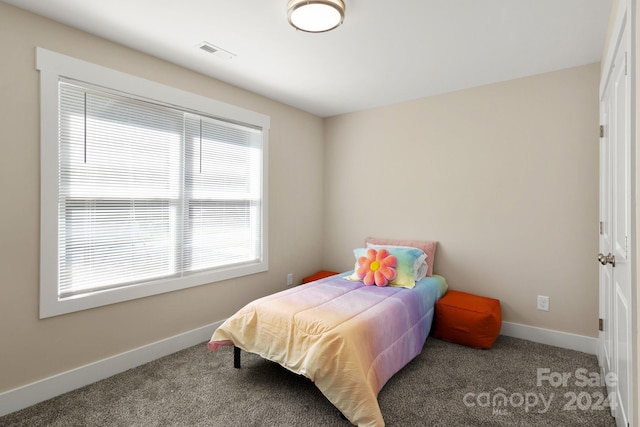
[347,338]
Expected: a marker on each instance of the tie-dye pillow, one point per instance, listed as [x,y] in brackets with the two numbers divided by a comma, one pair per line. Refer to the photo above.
[427,246]
[420,266]
[408,260]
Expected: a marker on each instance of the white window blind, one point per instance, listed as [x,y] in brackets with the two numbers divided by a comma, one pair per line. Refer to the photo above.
[148,192]
[145,188]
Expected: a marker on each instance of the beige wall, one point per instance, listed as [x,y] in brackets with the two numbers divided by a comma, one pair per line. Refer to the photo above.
[504,176]
[33,349]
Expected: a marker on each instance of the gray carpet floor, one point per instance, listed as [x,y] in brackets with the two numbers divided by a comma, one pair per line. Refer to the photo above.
[515,383]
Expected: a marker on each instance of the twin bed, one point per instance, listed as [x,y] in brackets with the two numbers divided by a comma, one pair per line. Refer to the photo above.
[347,337]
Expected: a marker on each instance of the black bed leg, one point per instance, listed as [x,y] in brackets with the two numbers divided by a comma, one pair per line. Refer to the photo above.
[236,357]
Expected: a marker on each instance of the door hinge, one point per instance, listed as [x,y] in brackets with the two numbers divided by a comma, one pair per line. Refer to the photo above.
[601,131]
[601,325]
[626,244]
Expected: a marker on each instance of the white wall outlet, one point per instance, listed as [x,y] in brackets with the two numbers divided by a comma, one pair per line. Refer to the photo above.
[289,279]
[543,303]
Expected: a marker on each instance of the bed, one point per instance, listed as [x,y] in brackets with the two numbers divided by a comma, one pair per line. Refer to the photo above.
[345,336]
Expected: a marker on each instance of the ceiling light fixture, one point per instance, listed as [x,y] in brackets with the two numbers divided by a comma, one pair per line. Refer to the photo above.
[315,16]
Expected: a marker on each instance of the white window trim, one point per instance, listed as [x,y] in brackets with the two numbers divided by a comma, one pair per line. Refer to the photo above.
[52,66]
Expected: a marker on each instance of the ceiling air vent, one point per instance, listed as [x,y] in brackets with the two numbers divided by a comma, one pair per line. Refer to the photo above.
[216,51]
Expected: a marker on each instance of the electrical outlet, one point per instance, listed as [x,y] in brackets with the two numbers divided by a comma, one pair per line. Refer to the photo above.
[543,303]
[289,279]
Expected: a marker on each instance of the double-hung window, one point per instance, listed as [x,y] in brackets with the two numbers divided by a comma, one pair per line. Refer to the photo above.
[145,188]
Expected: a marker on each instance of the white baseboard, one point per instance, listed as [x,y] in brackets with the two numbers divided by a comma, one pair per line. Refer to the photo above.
[550,337]
[30,394]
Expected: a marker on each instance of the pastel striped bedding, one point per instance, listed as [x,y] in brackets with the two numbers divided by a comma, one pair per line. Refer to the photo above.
[347,338]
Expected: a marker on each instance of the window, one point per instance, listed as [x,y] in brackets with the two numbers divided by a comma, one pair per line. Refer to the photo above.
[145,188]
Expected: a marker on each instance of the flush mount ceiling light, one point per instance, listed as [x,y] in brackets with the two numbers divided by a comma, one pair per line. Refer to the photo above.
[315,16]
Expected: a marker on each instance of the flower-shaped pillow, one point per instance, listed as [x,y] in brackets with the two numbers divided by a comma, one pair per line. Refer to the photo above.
[378,267]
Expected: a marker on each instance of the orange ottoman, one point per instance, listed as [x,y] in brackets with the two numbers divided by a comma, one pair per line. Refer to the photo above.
[319,275]
[468,319]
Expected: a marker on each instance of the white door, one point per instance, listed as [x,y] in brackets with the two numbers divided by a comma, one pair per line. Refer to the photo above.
[615,346]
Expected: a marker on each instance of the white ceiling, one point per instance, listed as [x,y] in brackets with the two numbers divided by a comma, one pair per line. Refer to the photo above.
[385,52]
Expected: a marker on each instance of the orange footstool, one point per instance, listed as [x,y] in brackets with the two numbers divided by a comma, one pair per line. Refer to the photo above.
[319,275]
[468,319]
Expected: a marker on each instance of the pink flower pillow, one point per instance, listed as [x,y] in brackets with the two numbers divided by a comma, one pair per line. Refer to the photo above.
[377,267]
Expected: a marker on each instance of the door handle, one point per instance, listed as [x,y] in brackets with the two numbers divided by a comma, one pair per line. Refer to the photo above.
[607,259]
